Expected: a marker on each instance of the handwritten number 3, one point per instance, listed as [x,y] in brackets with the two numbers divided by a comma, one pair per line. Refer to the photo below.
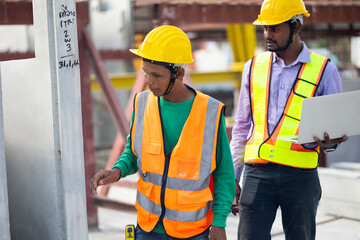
[68,47]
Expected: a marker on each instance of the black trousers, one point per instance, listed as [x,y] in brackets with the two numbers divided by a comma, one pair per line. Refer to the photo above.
[269,186]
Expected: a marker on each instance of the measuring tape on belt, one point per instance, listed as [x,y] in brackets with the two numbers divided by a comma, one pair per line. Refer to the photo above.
[130,232]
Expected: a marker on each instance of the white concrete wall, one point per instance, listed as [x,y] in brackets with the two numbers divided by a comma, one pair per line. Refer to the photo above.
[4,216]
[340,191]
[42,130]
[111,24]
[16,38]
[355,46]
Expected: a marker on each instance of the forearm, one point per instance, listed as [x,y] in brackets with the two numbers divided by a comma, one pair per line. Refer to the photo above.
[243,125]
[224,194]
[237,152]
[127,162]
[237,145]
[224,184]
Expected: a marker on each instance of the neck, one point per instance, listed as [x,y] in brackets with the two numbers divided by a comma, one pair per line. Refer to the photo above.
[290,54]
[179,93]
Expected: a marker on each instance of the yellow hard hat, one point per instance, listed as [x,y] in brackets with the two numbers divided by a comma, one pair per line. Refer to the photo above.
[167,44]
[274,12]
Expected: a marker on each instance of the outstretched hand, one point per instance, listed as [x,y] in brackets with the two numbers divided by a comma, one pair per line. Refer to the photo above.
[104,177]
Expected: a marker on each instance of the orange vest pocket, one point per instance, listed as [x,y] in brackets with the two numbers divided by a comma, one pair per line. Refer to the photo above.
[192,201]
[147,189]
[152,147]
[152,160]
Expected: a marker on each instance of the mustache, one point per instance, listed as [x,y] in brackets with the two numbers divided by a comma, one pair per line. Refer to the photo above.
[270,41]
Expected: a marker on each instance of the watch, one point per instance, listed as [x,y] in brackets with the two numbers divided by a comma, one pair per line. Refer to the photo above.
[331,149]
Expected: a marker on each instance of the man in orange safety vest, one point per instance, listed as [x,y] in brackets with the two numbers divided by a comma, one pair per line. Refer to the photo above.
[179,147]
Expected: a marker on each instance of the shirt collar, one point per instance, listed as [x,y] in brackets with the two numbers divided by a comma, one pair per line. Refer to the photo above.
[304,56]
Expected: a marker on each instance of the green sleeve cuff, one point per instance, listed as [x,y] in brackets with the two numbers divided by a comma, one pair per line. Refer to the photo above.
[219,221]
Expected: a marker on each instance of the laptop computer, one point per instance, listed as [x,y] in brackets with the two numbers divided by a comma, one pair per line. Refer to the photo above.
[337,114]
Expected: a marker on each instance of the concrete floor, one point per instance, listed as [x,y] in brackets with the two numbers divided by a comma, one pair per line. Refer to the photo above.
[112,222]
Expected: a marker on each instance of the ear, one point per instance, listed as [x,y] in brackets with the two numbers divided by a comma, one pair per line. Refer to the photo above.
[298,28]
[181,73]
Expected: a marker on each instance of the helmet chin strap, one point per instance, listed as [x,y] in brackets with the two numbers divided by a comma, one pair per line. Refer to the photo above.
[173,76]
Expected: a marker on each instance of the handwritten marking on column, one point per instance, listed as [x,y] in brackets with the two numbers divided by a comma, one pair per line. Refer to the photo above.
[67,19]
[71,63]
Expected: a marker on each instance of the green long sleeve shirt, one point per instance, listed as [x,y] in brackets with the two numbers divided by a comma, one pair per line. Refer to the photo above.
[174,116]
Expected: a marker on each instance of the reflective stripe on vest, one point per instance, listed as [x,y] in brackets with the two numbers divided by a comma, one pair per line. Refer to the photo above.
[186,195]
[263,148]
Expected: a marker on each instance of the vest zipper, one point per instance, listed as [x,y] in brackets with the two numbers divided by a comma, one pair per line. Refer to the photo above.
[163,185]
[165,173]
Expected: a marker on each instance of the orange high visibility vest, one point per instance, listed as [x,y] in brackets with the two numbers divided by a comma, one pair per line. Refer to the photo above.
[265,147]
[175,188]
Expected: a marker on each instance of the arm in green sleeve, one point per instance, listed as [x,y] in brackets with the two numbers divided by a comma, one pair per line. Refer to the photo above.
[224,184]
[127,162]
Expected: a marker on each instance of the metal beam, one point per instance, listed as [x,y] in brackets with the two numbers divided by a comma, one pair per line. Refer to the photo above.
[15,12]
[105,55]
[112,101]
[128,80]
[88,134]
[321,12]
[120,142]
[10,12]
[106,202]
[5,56]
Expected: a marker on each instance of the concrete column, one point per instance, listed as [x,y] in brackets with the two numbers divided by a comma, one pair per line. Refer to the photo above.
[4,216]
[43,130]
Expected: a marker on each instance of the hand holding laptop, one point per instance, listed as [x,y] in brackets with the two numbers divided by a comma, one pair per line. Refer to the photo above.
[327,143]
[335,116]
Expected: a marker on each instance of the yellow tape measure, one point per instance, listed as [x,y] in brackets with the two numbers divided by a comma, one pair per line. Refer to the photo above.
[130,232]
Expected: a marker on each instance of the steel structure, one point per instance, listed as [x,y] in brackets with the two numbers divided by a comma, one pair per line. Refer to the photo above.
[209,17]
[245,11]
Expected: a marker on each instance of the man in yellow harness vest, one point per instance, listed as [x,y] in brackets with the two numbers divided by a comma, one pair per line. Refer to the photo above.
[274,84]
[179,147]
